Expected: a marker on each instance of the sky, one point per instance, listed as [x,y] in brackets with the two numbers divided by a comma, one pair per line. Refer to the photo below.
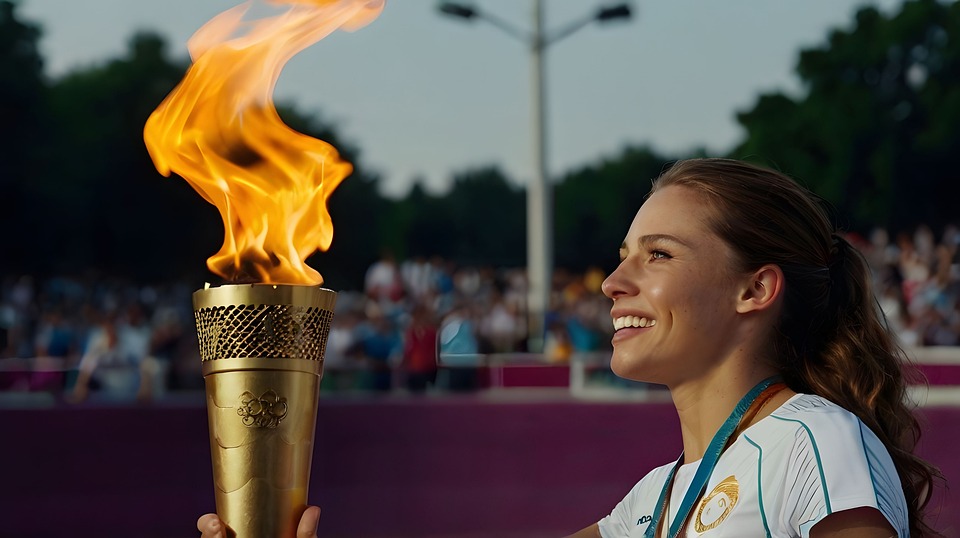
[424,96]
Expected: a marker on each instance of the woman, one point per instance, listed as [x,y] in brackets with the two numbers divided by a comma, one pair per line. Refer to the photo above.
[735,291]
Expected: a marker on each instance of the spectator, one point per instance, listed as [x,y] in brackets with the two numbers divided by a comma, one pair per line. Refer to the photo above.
[380,346]
[382,281]
[116,360]
[420,350]
[459,349]
[340,357]
[501,326]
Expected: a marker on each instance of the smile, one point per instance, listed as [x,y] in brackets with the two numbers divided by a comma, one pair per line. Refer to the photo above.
[632,321]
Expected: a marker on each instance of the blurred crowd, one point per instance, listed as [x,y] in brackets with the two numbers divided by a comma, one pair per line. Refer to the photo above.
[917,283]
[417,323]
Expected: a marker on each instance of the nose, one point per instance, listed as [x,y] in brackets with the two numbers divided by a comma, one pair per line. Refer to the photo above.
[617,285]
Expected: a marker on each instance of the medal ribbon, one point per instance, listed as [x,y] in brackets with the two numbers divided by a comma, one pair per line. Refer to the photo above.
[709,461]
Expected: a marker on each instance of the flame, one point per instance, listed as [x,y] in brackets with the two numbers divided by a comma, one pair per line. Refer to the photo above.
[220,131]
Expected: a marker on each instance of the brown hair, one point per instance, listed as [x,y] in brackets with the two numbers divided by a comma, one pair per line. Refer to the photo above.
[832,339]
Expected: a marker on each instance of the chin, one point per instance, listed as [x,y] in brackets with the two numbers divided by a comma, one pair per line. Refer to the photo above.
[626,368]
[641,367]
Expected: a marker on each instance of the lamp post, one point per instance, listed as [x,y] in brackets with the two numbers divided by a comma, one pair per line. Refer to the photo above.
[539,192]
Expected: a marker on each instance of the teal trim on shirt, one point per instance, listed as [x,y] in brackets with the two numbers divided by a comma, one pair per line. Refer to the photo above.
[763,514]
[870,457]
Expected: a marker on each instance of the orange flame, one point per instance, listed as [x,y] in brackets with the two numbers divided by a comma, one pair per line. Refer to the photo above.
[220,131]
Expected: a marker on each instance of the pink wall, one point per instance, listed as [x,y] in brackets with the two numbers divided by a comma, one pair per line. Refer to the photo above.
[453,467]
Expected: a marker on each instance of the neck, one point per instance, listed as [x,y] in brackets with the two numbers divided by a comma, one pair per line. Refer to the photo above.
[703,404]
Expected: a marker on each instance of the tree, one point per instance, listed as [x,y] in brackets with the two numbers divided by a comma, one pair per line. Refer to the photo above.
[487,216]
[359,215]
[420,226]
[879,120]
[22,94]
[595,204]
[96,201]
[121,215]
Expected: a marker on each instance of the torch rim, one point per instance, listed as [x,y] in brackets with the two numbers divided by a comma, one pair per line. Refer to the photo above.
[264,294]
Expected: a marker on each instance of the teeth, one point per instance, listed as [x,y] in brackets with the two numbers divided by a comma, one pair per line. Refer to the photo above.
[632,321]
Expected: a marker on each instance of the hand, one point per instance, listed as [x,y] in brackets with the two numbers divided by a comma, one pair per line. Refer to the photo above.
[210,525]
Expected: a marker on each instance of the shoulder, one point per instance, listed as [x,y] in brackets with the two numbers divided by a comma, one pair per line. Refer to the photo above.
[810,406]
[816,417]
[808,421]
[832,460]
[829,436]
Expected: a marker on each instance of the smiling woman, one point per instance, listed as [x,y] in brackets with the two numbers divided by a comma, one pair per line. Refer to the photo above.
[736,292]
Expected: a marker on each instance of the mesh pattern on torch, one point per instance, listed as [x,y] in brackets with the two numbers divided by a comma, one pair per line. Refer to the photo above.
[263,331]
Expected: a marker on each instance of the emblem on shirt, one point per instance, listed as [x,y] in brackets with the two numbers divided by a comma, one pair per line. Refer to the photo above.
[716,506]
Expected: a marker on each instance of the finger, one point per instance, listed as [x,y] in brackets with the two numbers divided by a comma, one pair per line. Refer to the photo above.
[209,526]
[309,522]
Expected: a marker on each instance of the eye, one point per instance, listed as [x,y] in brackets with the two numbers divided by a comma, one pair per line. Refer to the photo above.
[660,255]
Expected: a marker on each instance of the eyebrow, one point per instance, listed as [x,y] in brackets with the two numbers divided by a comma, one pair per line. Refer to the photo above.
[656,238]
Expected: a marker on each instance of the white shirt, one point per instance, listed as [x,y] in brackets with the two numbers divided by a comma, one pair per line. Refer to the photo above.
[781,476]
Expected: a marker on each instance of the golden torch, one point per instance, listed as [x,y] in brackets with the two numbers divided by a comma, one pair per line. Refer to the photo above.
[262,336]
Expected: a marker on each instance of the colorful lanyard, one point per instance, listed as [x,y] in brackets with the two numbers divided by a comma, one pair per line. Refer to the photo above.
[709,461]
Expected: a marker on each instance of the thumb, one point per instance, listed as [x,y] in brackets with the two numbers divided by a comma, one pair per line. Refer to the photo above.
[209,526]
[309,522]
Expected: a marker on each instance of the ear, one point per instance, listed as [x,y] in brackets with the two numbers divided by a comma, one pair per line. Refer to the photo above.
[760,289]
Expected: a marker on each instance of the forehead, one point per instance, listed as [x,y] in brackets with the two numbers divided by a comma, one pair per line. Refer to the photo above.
[674,210]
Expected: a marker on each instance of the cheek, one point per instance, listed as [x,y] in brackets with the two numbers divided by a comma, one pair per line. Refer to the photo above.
[694,306]
[674,297]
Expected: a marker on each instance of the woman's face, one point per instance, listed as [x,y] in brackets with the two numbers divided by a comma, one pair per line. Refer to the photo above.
[674,292]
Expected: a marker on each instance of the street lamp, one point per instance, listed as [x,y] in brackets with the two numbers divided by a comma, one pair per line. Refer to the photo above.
[539,193]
